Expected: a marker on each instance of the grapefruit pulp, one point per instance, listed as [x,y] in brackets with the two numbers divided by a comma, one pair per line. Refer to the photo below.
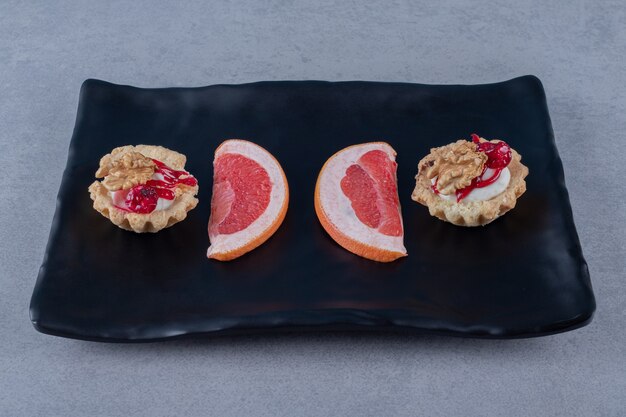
[249,201]
[356,201]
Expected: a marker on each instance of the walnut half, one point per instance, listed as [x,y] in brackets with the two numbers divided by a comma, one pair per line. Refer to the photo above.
[454,165]
[125,170]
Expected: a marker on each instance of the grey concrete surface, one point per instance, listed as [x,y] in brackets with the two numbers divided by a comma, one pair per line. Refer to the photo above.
[577,48]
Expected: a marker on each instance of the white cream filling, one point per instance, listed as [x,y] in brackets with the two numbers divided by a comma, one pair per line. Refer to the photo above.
[158,176]
[163,204]
[485,193]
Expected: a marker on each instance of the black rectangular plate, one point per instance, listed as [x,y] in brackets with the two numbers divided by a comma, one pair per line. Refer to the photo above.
[523,275]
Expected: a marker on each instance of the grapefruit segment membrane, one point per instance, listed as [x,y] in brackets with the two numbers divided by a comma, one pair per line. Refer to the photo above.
[356,201]
[249,200]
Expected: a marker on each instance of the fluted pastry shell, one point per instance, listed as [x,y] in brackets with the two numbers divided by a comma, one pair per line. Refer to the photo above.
[473,213]
[149,222]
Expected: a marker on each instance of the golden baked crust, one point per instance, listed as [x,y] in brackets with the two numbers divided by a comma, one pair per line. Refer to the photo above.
[140,223]
[472,213]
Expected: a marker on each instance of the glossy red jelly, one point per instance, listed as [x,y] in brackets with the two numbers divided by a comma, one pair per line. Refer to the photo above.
[498,154]
[143,199]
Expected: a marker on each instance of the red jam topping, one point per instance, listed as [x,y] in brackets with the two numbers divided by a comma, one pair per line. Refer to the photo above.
[498,154]
[498,158]
[143,198]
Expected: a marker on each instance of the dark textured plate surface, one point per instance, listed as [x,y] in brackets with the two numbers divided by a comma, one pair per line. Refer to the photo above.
[523,275]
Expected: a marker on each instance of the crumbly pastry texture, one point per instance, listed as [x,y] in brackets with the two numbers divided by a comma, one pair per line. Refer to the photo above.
[128,166]
[465,213]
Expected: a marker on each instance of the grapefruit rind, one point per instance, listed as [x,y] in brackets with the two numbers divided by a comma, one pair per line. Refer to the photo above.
[231,246]
[335,211]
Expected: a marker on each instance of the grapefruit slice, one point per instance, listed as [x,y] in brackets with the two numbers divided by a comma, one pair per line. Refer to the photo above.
[249,201]
[356,200]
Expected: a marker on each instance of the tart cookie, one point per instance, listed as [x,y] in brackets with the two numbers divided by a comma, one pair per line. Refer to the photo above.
[144,188]
[470,183]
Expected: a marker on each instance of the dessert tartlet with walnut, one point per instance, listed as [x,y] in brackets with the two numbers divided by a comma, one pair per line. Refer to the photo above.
[470,183]
[144,188]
